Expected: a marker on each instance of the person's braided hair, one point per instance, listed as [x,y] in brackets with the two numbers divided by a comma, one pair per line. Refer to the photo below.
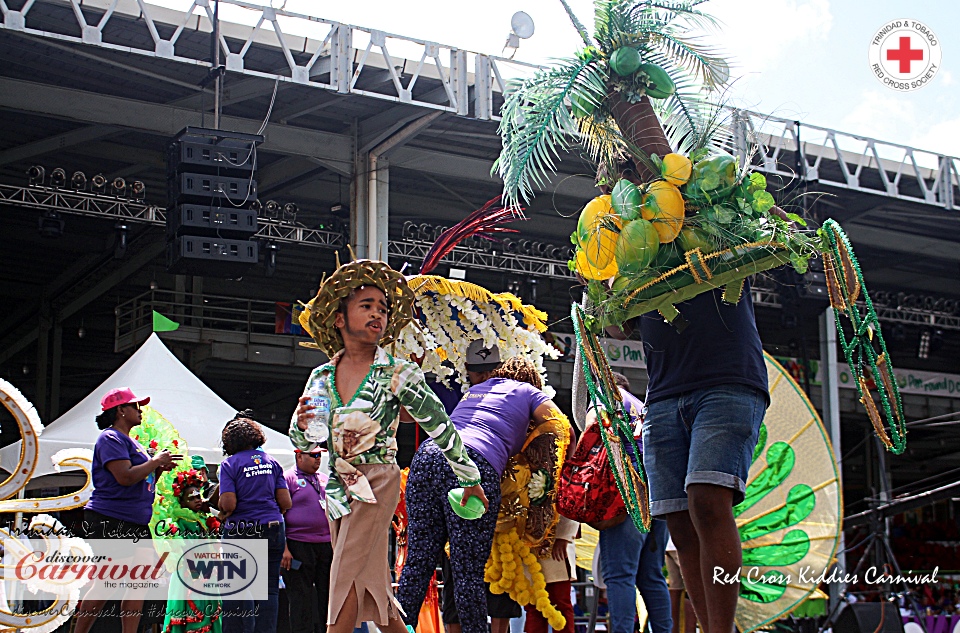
[520,369]
[242,433]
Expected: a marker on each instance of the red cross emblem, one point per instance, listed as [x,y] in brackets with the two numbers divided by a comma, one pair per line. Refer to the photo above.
[904,54]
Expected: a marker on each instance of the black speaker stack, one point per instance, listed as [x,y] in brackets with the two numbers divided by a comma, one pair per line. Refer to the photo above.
[869,617]
[211,191]
[802,295]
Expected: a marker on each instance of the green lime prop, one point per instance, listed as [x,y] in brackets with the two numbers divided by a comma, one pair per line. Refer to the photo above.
[473,510]
[637,246]
[626,200]
[625,61]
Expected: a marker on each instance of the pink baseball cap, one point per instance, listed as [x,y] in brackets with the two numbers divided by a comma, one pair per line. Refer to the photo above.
[124,395]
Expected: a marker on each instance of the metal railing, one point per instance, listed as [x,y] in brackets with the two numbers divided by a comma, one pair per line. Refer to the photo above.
[330,55]
[202,311]
[847,161]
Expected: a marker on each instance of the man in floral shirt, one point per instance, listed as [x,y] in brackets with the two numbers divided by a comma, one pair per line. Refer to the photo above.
[363,305]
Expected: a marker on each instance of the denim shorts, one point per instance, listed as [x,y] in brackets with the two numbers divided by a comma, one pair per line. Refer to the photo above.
[705,436]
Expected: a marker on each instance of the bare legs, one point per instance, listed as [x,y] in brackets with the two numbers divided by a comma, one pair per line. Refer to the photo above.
[348,618]
[708,546]
[89,610]
[499,625]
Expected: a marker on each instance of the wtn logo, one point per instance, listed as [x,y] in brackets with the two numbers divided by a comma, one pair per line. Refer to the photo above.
[223,569]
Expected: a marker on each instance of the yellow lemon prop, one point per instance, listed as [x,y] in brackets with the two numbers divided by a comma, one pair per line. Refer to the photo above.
[676,169]
[591,218]
[595,236]
[663,206]
[588,271]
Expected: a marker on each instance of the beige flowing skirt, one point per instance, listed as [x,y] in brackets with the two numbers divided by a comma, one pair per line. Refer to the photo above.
[360,550]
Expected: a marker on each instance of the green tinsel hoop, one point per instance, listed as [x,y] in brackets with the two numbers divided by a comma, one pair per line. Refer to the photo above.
[615,427]
[865,349]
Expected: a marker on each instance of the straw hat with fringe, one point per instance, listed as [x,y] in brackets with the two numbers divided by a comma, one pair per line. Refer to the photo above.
[320,313]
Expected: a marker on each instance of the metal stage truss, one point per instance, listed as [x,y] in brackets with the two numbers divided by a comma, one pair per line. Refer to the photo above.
[88,204]
[337,57]
[100,206]
[486,260]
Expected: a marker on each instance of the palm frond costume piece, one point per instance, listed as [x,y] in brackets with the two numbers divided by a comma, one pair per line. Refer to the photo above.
[679,216]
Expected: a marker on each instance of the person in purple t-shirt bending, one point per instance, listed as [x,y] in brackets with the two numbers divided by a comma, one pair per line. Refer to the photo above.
[308,554]
[253,498]
[492,420]
[123,488]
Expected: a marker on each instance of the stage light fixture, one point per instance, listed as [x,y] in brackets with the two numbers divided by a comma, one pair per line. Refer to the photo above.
[50,224]
[923,349]
[119,187]
[425,232]
[256,206]
[138,190]
[98,183]
[78,181]
[270,258]
[58,178]
[510,246]
[409,230]
[123,234]
[272,209]
[36,175]
[290,212]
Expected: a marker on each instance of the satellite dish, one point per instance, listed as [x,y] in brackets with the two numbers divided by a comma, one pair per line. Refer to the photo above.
[521,25]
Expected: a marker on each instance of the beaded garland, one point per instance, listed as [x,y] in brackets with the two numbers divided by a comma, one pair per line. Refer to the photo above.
[615,427]
[844,285]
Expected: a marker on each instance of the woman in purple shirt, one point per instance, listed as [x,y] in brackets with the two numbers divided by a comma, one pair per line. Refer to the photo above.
[492,420]
[123,486]
[253,498]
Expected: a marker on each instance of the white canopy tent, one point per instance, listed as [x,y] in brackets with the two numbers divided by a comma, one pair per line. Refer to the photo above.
[175,392]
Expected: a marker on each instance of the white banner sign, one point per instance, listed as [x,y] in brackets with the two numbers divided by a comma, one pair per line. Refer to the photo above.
[619,353]
[61,566]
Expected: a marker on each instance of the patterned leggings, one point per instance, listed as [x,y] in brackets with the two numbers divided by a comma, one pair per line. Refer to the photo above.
[432,523]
